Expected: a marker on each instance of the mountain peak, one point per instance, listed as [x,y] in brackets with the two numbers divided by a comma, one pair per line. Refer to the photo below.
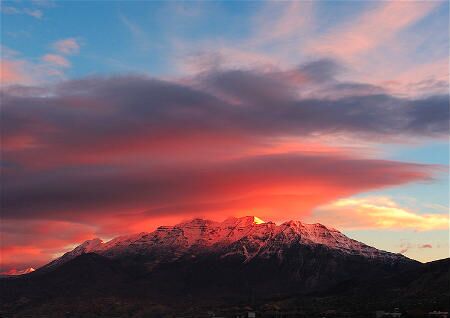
[244,220]
[292,223]
[196,222]
[256,220]
[91,245]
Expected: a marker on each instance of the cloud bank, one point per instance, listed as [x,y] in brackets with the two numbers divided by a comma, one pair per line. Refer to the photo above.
[103,149]
[380,213]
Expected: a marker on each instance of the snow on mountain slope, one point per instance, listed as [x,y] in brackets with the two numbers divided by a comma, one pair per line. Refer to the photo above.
[246,236]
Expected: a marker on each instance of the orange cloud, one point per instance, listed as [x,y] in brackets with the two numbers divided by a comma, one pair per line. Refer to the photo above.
[16,271]
[378,213]
[26,243]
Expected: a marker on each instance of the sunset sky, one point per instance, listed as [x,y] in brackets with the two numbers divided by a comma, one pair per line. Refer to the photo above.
[118,117]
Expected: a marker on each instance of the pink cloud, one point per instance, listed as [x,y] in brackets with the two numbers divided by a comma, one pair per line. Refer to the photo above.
[57,60]
[372,43]
[13,72]
[282,21]
[16,70]
[372,28]
[428,78]
[67,46]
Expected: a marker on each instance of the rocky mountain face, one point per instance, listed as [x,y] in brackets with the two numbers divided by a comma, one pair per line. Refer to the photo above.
[237,261]
[245,238]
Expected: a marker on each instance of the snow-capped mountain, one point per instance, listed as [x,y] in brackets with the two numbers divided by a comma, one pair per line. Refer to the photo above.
[245,237]
[237,261]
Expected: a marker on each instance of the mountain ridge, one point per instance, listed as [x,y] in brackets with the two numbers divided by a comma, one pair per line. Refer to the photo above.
[237,262]
[248,236]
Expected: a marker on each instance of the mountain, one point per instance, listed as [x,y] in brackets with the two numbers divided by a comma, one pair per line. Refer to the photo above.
[237,262]
[246,237]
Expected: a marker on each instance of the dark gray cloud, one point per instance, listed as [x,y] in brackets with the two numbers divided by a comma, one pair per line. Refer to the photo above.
[95,144]
[321,71]
[128,109]
[80,192]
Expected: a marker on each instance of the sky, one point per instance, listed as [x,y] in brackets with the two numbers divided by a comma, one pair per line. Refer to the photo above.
[118,117]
